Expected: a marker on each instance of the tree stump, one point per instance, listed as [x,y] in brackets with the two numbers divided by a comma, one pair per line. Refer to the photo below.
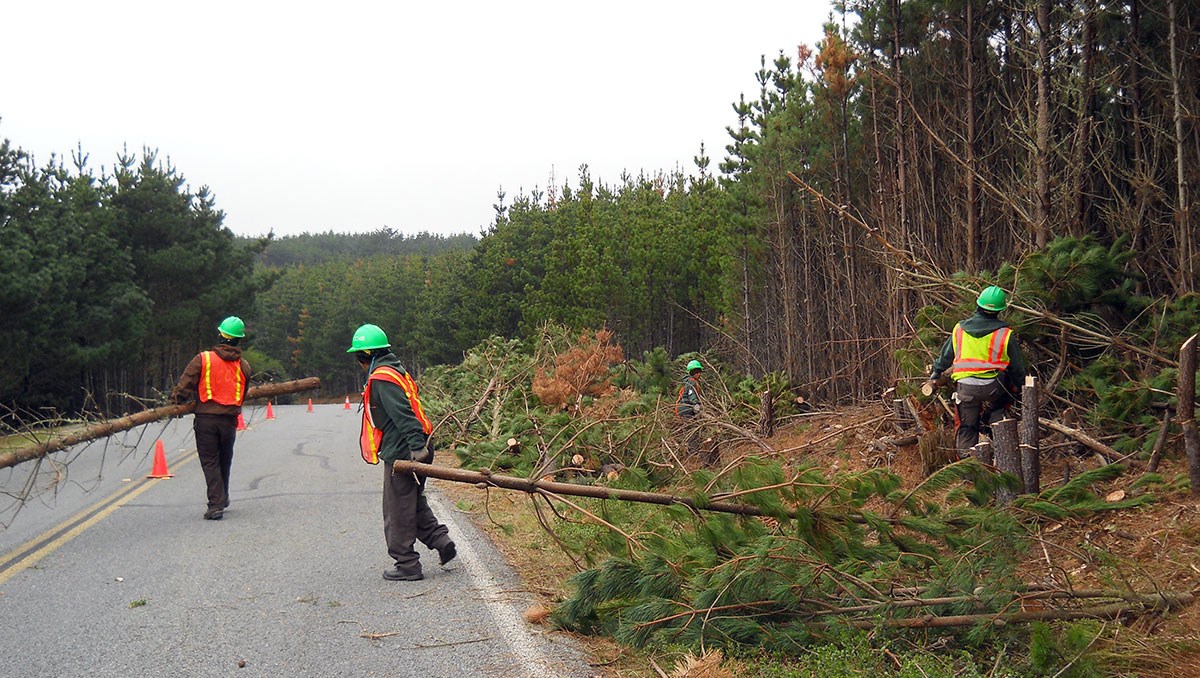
[936,449]
[1186,410]
[983,452]
[1031,462]
[1008,455]
[766,415]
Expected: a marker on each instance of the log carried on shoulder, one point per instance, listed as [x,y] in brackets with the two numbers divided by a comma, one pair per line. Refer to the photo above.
[107,428]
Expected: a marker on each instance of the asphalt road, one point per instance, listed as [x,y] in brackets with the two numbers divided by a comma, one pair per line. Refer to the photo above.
[106,573]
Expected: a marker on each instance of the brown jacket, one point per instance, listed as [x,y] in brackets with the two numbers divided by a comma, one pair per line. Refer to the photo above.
[188,387]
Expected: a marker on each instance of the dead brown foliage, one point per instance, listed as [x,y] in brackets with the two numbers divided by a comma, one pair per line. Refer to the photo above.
[581,371]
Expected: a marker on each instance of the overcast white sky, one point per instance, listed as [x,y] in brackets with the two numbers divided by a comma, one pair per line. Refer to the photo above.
[357,115]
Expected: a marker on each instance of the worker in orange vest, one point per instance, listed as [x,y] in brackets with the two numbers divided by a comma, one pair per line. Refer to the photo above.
[394,426]
[985,364]
[217,379]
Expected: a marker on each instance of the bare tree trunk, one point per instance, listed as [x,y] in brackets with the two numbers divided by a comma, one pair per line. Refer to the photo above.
[1083,123]
[1184,240]
[1008,456]
[895,319]
[1031,462]
[1042,189]
[972,133]
[1140,170]
[901,136]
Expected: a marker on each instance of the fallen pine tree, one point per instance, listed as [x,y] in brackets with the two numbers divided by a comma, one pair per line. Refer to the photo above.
[815,574]
[109,427]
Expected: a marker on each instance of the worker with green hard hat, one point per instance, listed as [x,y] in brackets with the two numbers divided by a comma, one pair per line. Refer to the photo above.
[217,379]
[985,365]
[394,427]
[687,404]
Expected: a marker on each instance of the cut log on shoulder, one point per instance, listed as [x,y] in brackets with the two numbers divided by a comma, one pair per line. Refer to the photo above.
[107,428]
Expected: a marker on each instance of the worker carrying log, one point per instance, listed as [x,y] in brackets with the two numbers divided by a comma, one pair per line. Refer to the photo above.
[217,380]
[985,365]
[395,428]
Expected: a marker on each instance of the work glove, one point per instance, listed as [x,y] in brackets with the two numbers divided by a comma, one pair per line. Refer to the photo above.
[423,455]
[696,408]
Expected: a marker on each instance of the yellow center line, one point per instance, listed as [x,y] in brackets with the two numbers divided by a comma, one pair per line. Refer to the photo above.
[29,553]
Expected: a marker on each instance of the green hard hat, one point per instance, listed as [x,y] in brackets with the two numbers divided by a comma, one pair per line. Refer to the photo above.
[366,338]
[695,365]
[992,299]
[232,327]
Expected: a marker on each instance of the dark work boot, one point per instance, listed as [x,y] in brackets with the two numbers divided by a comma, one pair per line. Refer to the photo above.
[394,574]
[214,514]
[447,553]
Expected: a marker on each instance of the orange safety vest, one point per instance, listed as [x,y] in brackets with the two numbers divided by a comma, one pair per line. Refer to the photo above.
[369,437]
[981,357]
[221,380]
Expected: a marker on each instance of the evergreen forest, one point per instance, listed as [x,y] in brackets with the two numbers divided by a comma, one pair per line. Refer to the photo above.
[917,141]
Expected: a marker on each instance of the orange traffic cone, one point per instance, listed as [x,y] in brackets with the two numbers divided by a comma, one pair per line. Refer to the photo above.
[310,404]
[160,463]
[241,422]
[270,412]
[347,403]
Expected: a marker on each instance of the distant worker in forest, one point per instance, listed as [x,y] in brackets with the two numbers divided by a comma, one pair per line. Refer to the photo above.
[394,426]
[687,409]
[217,379]
[687,405]
[984,362]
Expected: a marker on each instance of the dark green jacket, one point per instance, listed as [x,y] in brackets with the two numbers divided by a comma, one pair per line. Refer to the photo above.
[394,415]
[980,325]
[689,398]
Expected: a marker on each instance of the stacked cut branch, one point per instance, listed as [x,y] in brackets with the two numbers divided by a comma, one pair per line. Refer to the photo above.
[111,426]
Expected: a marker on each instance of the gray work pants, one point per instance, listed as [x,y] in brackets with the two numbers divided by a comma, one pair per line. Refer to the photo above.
[408,518]
[973,400]
[215,435]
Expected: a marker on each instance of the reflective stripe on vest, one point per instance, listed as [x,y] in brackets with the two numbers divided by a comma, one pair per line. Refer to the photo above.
[984,356]
[369,437]
[221,380]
